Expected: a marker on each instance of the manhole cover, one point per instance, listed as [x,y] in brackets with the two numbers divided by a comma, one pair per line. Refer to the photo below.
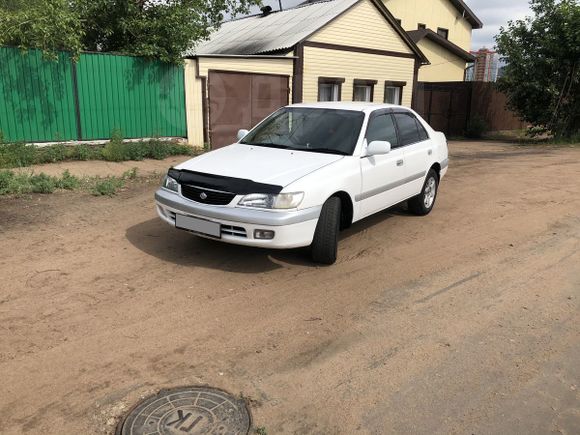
[190,410]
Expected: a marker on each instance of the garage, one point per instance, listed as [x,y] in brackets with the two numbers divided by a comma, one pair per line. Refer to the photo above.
[241,100]
[315,52]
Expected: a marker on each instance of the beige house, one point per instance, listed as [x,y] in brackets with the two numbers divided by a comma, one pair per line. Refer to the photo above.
[326,51]
[442,29]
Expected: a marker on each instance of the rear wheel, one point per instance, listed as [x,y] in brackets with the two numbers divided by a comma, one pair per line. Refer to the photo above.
[423,203]
[325,242]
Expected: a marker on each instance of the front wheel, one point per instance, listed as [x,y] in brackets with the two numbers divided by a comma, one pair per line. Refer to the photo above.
[423,203]
[325,242]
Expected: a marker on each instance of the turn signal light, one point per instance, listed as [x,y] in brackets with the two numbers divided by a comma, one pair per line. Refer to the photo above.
[264,234]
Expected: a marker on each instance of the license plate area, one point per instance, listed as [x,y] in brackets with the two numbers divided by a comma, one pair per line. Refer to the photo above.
[196,225]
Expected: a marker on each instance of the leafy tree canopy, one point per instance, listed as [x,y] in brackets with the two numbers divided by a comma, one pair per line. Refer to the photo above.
[161,29]
[542,76]
[50,25]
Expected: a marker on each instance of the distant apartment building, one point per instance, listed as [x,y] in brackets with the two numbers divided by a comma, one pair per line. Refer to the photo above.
[485,68]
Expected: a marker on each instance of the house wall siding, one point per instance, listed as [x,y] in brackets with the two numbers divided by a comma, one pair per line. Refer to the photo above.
[444,67]
[362,26]
[434,14]
[321,62]
[194,91]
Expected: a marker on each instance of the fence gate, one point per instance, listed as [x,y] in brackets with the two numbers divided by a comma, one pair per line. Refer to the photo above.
[446,107]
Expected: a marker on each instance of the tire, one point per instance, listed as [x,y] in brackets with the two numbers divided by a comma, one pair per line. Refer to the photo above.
[325,242]
[422,204]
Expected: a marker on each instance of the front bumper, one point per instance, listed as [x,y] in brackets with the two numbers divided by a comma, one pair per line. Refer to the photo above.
[293,228]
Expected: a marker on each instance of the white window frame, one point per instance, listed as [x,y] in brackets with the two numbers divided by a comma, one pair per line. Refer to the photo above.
[335,84]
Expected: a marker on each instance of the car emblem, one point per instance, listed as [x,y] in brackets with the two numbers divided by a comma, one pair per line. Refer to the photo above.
[203,195]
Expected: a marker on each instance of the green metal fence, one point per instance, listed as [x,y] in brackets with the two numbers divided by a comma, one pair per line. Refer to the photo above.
[36,97]
[45,100]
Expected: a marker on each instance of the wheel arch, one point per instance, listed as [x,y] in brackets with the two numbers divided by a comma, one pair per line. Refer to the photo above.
[346,210]
[437,168]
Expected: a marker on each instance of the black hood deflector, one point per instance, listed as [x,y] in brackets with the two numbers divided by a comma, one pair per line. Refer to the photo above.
[239,186]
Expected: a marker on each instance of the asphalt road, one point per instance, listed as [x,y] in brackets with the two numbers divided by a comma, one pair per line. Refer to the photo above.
[466,321]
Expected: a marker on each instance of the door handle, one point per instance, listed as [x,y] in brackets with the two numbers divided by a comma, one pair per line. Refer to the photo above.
[400,162]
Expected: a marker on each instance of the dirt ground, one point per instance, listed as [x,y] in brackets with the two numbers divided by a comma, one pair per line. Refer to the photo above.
[466,321]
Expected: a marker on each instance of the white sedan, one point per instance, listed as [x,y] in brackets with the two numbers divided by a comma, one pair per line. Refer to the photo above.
[306,172]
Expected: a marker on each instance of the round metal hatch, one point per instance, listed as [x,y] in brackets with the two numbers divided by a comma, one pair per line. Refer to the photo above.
[188,410]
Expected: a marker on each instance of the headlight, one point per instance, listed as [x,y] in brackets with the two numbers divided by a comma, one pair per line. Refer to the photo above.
[281,201]
[170,183]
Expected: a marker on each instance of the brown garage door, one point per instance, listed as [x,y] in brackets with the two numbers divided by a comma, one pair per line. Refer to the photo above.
[241,100]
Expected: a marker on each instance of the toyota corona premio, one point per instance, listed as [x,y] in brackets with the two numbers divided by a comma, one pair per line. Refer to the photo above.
[305,173]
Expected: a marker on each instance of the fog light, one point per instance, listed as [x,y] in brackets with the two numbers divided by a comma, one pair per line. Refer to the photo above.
[264,234]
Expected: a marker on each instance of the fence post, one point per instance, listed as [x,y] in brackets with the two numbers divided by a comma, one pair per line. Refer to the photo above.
[450,111]
[76,100]
[470,102]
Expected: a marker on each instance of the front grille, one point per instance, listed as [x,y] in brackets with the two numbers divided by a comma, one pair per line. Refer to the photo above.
[206,196]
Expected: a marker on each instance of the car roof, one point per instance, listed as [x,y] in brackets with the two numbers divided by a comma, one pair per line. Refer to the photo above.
[355,106]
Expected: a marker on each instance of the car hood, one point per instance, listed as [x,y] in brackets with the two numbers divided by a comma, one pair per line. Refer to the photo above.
[260,164]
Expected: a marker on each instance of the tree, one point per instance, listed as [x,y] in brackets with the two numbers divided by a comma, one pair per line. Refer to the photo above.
[160,29]
[163,29]
[49,25]
[542,75]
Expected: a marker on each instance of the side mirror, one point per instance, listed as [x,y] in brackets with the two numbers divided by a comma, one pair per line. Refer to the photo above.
[378,147]
[242,134]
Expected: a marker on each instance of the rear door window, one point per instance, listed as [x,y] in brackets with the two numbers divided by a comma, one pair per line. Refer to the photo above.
[410,131]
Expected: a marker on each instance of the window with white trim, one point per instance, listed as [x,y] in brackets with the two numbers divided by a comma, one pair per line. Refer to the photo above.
[330,88]
[363,90]
[394,92]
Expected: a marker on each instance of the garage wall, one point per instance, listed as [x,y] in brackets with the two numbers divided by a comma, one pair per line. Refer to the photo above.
[193,84]
[445,66]
[321,62]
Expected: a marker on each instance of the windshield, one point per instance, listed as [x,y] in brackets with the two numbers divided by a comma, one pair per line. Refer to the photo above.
[309,129]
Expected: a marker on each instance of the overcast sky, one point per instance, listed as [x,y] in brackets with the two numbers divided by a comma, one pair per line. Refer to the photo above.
[493,13]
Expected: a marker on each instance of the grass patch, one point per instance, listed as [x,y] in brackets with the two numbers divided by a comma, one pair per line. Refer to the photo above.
[18,155]
[261,430]
[13,183]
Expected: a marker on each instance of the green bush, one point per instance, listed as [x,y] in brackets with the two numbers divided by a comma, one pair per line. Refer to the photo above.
[17,154]
[476,127]
[68,181]
[42,183]
[52,154]
[14,155]
[6,178]
[87,152]
[114,149]
[107,186]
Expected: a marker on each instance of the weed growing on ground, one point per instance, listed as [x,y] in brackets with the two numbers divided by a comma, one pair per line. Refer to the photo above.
[20,183]
[107,186]
[68,181]
[17,155]
[261,431]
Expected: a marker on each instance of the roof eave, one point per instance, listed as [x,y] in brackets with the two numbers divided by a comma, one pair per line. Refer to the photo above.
[468,14]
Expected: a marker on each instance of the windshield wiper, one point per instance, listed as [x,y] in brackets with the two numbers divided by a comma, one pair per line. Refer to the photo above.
[325,151]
